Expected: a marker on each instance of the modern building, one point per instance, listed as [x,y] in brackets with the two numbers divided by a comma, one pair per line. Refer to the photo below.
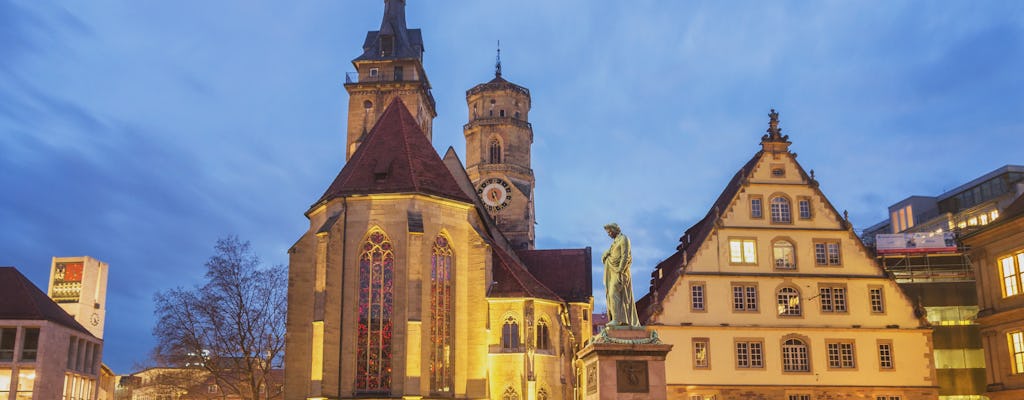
[418,276]
[773,296]
[997,254]
[44,352]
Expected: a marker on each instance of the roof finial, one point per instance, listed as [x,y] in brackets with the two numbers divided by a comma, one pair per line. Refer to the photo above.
[773,124]
[497,62]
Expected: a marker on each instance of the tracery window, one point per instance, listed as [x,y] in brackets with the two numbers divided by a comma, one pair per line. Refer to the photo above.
[543,336]
[510,394]
[542,394]
[510,335]
[495,152]
[376,300]
[441,316]
[780,210]
[794,356]
[789,302]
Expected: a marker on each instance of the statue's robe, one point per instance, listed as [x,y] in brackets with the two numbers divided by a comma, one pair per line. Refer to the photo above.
[618,283]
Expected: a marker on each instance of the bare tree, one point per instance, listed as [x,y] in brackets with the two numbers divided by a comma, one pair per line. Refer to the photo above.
[232,326]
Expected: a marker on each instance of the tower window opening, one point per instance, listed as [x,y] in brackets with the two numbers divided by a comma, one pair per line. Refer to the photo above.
[517,114]
[501,113]
[490,113]
[495,152]
[367,104]
[399,74]
[387,45]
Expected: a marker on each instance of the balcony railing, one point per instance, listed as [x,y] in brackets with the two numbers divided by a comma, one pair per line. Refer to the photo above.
[353,78]
[498,120]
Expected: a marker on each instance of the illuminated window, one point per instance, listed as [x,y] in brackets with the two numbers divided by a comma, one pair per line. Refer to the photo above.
[700,353]
[783,255]
[1011,272]
[794,356]
[1016,342]
[376,300]
[510,394]
[877,301]
[755,207]
[26,380]
[832,298]
[742,251]
[973,221]
[983,218]
[543,336]
[780,210]
[804,207]
[799,397]
[994,214]
[749,354]
[441,316]
[211,389]
[885,355]
[827,253]
[840,354]
[697,296]
[744,297]
[5,383]
[7,338]
[30,344]
[510,335]
[495,152]
[789,302]
[952,315]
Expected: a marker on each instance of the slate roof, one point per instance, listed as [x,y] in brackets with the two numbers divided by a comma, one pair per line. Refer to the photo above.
[395,157]
[498,83]
[408,42]
[23,300]
[567,272]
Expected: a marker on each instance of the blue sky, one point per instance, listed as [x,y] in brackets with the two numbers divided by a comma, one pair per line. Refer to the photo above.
[140,132]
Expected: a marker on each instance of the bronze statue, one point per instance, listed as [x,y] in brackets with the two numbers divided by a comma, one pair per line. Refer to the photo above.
[617,279]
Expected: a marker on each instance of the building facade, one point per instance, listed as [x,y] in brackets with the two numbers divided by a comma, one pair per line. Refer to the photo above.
[772,295]
[997,254]
[44,352]
[418,276]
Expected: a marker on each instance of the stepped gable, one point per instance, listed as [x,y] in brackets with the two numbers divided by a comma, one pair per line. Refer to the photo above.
[567,272]
[395,157]
[512,279]
[23,300]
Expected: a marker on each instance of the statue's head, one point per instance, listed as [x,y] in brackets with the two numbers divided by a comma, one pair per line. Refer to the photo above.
[612,229]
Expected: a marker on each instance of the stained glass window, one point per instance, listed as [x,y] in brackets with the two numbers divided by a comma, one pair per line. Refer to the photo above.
[376,302]
[441,320]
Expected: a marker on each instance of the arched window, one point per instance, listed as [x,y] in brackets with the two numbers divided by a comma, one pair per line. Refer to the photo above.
[510,394]
[783,255]
[780,210]
[510,335]
[789,301]
[543,336]
[495,152]
[441,316]
[542,394]
[794,356]
[376,298]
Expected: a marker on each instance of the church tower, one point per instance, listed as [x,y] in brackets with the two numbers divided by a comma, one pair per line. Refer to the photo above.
[498,141]
[391,66]
[79,286]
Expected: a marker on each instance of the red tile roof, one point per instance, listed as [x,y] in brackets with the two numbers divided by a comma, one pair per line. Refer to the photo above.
[23,300]
[567,272]
[395,157]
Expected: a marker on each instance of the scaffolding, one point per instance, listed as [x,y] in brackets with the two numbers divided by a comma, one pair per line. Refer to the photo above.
[950,266]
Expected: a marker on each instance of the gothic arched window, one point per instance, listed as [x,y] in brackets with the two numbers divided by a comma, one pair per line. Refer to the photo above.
[789,302]
[510,335]
[495,152]
[376,300]
[780,210]
[543,336]
[441,316]
[795,356]
[510,394]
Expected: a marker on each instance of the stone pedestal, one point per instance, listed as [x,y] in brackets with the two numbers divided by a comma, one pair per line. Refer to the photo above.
[624,364]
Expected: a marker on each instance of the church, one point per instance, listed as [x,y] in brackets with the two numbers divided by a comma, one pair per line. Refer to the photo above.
[418,277]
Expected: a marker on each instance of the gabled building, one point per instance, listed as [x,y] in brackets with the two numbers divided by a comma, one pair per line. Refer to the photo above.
[772,295]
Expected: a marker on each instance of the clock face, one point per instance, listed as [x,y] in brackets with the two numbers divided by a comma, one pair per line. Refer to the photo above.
[495,193]
[94,319]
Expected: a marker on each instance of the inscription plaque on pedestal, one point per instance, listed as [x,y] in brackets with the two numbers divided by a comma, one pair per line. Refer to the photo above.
[591,378]
[631,376]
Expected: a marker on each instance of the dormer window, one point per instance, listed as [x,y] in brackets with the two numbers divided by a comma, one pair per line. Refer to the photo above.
[387,45]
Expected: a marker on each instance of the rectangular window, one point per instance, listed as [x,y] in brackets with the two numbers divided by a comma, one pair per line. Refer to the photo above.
[701,358]
[804,206]
[26,381]
[832,298]
[743,251]
[877,301]
[744,297]
[799,397]
[7,336]
[885,354]
[827,253]
[889,397]
[5,382]
[749,354]
[30,344]
[1016,342]
[840,354]
[1011,272]
[755,207]
[374,72]
[697,296]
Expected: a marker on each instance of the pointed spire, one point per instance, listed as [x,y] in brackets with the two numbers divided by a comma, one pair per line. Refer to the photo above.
[394,17]
[497,62]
